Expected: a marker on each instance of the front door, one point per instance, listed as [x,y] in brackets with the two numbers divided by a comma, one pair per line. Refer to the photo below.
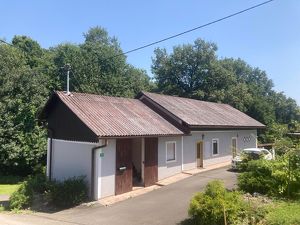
[234,146]
[151,159]
[123,166]
[199,152]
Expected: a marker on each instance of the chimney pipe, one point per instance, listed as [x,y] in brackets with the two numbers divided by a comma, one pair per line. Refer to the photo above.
[68,82]
[68,68]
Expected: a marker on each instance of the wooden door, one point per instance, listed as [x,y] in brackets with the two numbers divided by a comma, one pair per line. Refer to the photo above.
[199,152]
[123,166]
[150,163]
[234,146]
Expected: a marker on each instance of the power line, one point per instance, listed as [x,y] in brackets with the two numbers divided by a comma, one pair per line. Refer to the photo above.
[6,43]
[191,30]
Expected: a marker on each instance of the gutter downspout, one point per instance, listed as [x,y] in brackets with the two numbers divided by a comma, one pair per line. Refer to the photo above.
[50,154]
[93,166]
[50,134]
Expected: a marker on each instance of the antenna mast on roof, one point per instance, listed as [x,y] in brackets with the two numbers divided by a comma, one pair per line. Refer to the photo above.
[67,67]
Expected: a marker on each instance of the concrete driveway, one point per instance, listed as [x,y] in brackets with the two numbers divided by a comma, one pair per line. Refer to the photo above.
[167,205]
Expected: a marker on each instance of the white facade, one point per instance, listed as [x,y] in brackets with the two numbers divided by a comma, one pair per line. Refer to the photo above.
[105,166]
[71,158]
[165,168]
[186,149]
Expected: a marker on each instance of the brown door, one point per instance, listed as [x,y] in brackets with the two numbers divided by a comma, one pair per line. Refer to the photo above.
[199,149]
[234,146]
[150,165]
[123,166]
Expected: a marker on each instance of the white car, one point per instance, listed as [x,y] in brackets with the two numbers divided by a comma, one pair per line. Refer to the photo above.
[254,153]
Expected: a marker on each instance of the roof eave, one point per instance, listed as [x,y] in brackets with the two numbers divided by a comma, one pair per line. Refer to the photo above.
[199,127]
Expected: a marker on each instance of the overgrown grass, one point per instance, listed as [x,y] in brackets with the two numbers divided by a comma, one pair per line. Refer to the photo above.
[284,213]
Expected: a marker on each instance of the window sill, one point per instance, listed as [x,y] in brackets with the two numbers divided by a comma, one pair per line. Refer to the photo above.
[171,161]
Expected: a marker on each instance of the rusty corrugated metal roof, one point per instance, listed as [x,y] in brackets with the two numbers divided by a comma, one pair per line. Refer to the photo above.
[116,117]
[206,114]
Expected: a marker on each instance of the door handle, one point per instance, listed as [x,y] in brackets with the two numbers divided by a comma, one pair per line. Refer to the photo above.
[122,168]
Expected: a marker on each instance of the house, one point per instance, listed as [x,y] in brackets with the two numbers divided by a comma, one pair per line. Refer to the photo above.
[118,143]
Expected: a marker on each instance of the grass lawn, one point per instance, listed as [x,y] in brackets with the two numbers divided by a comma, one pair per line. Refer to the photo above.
[8,184]
[8,189]
[284,213]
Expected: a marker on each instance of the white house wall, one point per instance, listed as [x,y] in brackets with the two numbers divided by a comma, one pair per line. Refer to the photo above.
[167,169]
[71,159]
[245,139]
[105,176]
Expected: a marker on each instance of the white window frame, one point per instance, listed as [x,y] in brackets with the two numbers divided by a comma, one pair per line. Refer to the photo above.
[174,160]
[212,146]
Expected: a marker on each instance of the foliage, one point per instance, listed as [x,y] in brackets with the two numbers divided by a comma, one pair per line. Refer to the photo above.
[257,177]
[210,206]
[30,73]
[22,198]
[22,141]
[280,177]
[70,192]
[95,69]
[284,213]
[195,71]
[67,193]
[10,179]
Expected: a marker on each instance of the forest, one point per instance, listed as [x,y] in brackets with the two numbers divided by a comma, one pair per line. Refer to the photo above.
[29,74]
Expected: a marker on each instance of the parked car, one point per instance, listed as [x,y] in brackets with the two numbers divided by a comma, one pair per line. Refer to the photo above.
[251,153]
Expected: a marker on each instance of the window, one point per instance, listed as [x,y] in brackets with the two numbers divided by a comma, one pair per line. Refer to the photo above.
[215,146]
[171,151]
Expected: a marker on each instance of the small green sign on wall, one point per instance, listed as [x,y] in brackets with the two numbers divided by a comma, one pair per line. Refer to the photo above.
[101,154]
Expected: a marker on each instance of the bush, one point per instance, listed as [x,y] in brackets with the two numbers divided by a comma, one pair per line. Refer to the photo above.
[257,178]
[209,208]
[68,193]
[279,178]
[22,197]
[64,194]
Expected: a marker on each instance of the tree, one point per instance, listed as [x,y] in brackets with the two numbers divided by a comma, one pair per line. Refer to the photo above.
[22,141]
[98,66]
[28,75]
[194,71]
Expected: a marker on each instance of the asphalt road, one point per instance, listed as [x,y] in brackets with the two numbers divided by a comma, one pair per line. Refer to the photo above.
[167,205]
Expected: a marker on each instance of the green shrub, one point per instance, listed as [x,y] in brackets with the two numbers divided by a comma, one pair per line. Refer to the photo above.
[279,178]
[68,193]
[22,197]
[64,194]
[257,177]
[209,207]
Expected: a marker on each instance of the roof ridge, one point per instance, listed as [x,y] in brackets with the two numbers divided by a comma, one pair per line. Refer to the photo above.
[97,95]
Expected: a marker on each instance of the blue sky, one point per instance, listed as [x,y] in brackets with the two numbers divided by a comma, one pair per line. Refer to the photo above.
[267,37]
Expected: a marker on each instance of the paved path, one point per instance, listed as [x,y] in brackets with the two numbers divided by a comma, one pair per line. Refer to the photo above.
[167,205]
